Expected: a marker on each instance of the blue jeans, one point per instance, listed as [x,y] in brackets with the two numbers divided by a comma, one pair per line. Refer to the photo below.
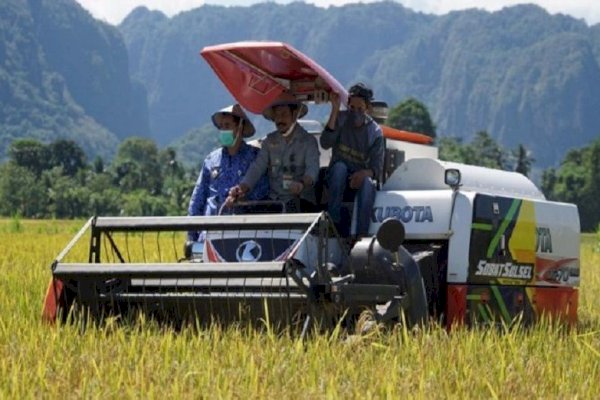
[365,197]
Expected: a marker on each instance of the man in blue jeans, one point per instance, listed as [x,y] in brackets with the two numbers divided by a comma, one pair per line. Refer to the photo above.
[357,157]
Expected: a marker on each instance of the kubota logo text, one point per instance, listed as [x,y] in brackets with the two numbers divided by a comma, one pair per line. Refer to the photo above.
[404,214]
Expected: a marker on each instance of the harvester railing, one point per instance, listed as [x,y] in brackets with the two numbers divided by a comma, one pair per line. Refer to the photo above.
[117,277]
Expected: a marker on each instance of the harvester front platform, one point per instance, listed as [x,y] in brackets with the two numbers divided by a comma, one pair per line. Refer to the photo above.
[133,265]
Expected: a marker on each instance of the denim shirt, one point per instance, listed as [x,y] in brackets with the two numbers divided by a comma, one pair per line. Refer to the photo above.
[221,171]
[286,160]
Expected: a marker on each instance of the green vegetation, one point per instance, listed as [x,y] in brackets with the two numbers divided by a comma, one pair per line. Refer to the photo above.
[520,74]
[413,116]
[65,75]
[56,181]
[483,150]
[197,143]
[145,360]
[578,181]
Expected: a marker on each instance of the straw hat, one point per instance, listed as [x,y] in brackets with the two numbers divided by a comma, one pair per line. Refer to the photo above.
[286,99]
[235,110]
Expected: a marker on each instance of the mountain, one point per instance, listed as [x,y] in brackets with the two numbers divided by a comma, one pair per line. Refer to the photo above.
[595,33]
[520,73]
[183,90]
[64,74]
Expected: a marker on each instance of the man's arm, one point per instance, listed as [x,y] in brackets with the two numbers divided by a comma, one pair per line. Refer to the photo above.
[330,134]
[260,190]
[311,161]
[200,193]
[311,166]
[258,167]
[376,152]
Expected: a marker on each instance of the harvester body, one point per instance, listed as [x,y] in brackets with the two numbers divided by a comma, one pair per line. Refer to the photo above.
[507,250]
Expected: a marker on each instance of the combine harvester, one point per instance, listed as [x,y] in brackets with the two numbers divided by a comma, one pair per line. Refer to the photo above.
[455,243]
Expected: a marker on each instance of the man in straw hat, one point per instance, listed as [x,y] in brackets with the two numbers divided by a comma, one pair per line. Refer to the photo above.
[290,155]
[224,167]
[357,147]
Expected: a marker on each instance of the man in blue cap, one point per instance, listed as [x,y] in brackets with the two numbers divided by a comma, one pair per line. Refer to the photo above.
[224,167]
[357,147]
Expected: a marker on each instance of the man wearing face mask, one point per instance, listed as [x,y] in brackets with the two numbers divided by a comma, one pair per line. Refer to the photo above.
[225,166]
[289,155]
[357,147]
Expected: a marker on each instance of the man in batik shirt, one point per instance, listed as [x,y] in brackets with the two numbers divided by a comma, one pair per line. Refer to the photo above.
[225,167]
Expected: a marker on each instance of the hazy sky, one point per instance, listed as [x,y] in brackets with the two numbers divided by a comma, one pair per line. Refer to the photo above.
[114,11]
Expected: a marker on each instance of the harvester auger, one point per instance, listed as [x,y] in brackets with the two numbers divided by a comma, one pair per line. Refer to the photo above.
[312,280]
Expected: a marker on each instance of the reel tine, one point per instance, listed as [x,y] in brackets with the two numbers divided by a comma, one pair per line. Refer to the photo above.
[158,246]
[144,248]
[127,246]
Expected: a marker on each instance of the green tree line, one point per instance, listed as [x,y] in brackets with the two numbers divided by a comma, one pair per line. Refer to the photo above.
[56,181]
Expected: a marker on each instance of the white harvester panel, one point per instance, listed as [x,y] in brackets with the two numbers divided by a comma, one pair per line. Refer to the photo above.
[501,229]
[557,244]
[428,174]
[511,241]
[425,214]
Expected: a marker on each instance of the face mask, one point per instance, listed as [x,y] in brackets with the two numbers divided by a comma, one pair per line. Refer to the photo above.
[357,118]
[226,138]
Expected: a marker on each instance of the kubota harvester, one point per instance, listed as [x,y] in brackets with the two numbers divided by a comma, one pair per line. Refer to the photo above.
[447,241]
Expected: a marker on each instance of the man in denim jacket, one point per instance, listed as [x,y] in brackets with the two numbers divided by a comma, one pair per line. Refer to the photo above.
[357,147]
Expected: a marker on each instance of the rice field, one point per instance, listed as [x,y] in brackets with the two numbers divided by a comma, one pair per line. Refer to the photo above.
[148,361]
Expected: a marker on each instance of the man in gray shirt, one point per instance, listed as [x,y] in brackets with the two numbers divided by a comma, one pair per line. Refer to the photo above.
[289,155]
[357,157]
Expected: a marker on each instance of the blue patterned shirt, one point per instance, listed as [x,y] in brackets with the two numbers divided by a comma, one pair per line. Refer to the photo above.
[221,171]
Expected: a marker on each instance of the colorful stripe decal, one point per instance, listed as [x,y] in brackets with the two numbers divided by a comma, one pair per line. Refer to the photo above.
[509,216]
[483,312]
[501,304]
[481,226]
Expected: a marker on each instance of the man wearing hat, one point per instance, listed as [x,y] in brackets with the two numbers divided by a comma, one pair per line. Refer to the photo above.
[225,166]
[289,155]
[357,147]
